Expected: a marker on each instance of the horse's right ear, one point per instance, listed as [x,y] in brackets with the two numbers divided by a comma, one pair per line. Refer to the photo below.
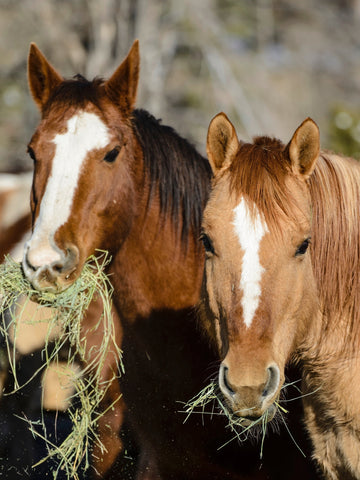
[222,142]
[42,77]
[122,85]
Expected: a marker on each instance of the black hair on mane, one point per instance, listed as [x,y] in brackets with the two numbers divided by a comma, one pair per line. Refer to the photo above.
[178,172]
[77,91]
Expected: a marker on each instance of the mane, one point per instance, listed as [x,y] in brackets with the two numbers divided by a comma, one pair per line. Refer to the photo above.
[259,173]
[335,193]
[176,171]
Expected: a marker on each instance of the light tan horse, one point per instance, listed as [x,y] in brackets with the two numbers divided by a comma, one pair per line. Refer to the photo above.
[282,238]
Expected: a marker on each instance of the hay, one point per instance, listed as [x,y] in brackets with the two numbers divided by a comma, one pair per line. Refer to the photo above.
[66,310]
[210,402]
[211,397]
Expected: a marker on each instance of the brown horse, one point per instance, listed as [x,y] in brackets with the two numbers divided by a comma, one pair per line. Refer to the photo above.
[113,178]
[15,223]
[282,236]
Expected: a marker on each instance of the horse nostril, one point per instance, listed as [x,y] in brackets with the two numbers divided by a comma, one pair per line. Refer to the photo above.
[71,257]
[57,267]
[28,264]
[272,382]
[224,381]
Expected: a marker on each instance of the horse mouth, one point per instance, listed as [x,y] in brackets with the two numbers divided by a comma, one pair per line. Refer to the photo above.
[257,417]
[44,280]
[252,420]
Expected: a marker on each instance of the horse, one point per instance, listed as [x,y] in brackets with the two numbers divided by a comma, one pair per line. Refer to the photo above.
[47,391]
[282,283]
[109,176]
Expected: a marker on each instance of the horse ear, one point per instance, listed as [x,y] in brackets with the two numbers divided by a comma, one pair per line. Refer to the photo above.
[304,148]
[122,85]
[222,142]
[42,77]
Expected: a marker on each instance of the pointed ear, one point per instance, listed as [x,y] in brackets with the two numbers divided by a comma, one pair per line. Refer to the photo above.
[122,85]
[304,148]
[42,77]
[222,142]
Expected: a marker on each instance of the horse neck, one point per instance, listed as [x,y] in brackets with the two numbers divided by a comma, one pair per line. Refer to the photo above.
[159,266]
[153,270]
[335,194]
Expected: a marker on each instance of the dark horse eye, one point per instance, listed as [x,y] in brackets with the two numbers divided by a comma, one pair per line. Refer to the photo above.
[207,243]
[31,152]
[110,157]
[303,247]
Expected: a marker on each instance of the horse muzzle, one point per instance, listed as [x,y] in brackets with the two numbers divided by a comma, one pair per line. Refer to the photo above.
[51,270]
[251,402]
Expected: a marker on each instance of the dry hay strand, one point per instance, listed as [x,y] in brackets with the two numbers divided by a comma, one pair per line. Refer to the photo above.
[66,311]
[210,402]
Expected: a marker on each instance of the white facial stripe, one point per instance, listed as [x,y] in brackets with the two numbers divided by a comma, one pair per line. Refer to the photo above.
[249,233]
[85,132]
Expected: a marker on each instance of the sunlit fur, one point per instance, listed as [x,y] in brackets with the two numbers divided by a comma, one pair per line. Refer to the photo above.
[145,208]
[309,308]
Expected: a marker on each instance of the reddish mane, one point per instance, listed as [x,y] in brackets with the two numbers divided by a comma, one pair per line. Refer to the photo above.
[335,194]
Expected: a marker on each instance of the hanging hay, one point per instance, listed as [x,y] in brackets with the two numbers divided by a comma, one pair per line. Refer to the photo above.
[209,402]
[64,313]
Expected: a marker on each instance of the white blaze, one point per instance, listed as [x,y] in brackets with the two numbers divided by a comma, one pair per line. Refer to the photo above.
[85,132]
[249,232]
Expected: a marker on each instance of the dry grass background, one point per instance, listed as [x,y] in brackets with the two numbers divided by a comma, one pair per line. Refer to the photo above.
[267,63]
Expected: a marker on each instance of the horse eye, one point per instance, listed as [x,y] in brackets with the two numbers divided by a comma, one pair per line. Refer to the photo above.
[31,153]
[110,157]
[303,247]
[209,248]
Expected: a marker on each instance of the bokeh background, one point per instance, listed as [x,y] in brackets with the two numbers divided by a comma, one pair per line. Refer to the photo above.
[267,63]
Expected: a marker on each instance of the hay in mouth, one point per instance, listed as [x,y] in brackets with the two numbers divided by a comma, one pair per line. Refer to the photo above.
[66,312]
[210,401]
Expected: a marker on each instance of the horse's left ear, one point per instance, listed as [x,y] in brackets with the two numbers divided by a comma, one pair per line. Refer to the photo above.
[304,148]
[122,85]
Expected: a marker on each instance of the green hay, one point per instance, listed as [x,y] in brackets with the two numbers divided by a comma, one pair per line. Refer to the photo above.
[209,397]
[67,311]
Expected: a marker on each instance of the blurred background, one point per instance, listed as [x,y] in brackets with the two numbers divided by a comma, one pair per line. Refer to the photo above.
[267,63]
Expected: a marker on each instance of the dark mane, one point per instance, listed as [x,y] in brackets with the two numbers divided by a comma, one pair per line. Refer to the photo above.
[77,91]
[258,173]
[176,170]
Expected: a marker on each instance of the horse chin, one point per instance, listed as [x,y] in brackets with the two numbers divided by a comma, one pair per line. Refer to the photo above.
[266,417]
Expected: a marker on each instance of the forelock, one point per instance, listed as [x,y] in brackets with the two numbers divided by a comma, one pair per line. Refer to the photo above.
[259,173]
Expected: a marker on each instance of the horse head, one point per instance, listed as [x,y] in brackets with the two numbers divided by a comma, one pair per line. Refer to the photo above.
[83,151]
[259,288]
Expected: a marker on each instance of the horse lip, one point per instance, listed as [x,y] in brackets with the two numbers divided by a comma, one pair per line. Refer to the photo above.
[267,416]
[248,420]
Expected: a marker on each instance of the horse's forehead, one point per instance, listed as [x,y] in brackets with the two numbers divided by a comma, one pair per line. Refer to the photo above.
[240,223]
[85,130]
[248,223]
